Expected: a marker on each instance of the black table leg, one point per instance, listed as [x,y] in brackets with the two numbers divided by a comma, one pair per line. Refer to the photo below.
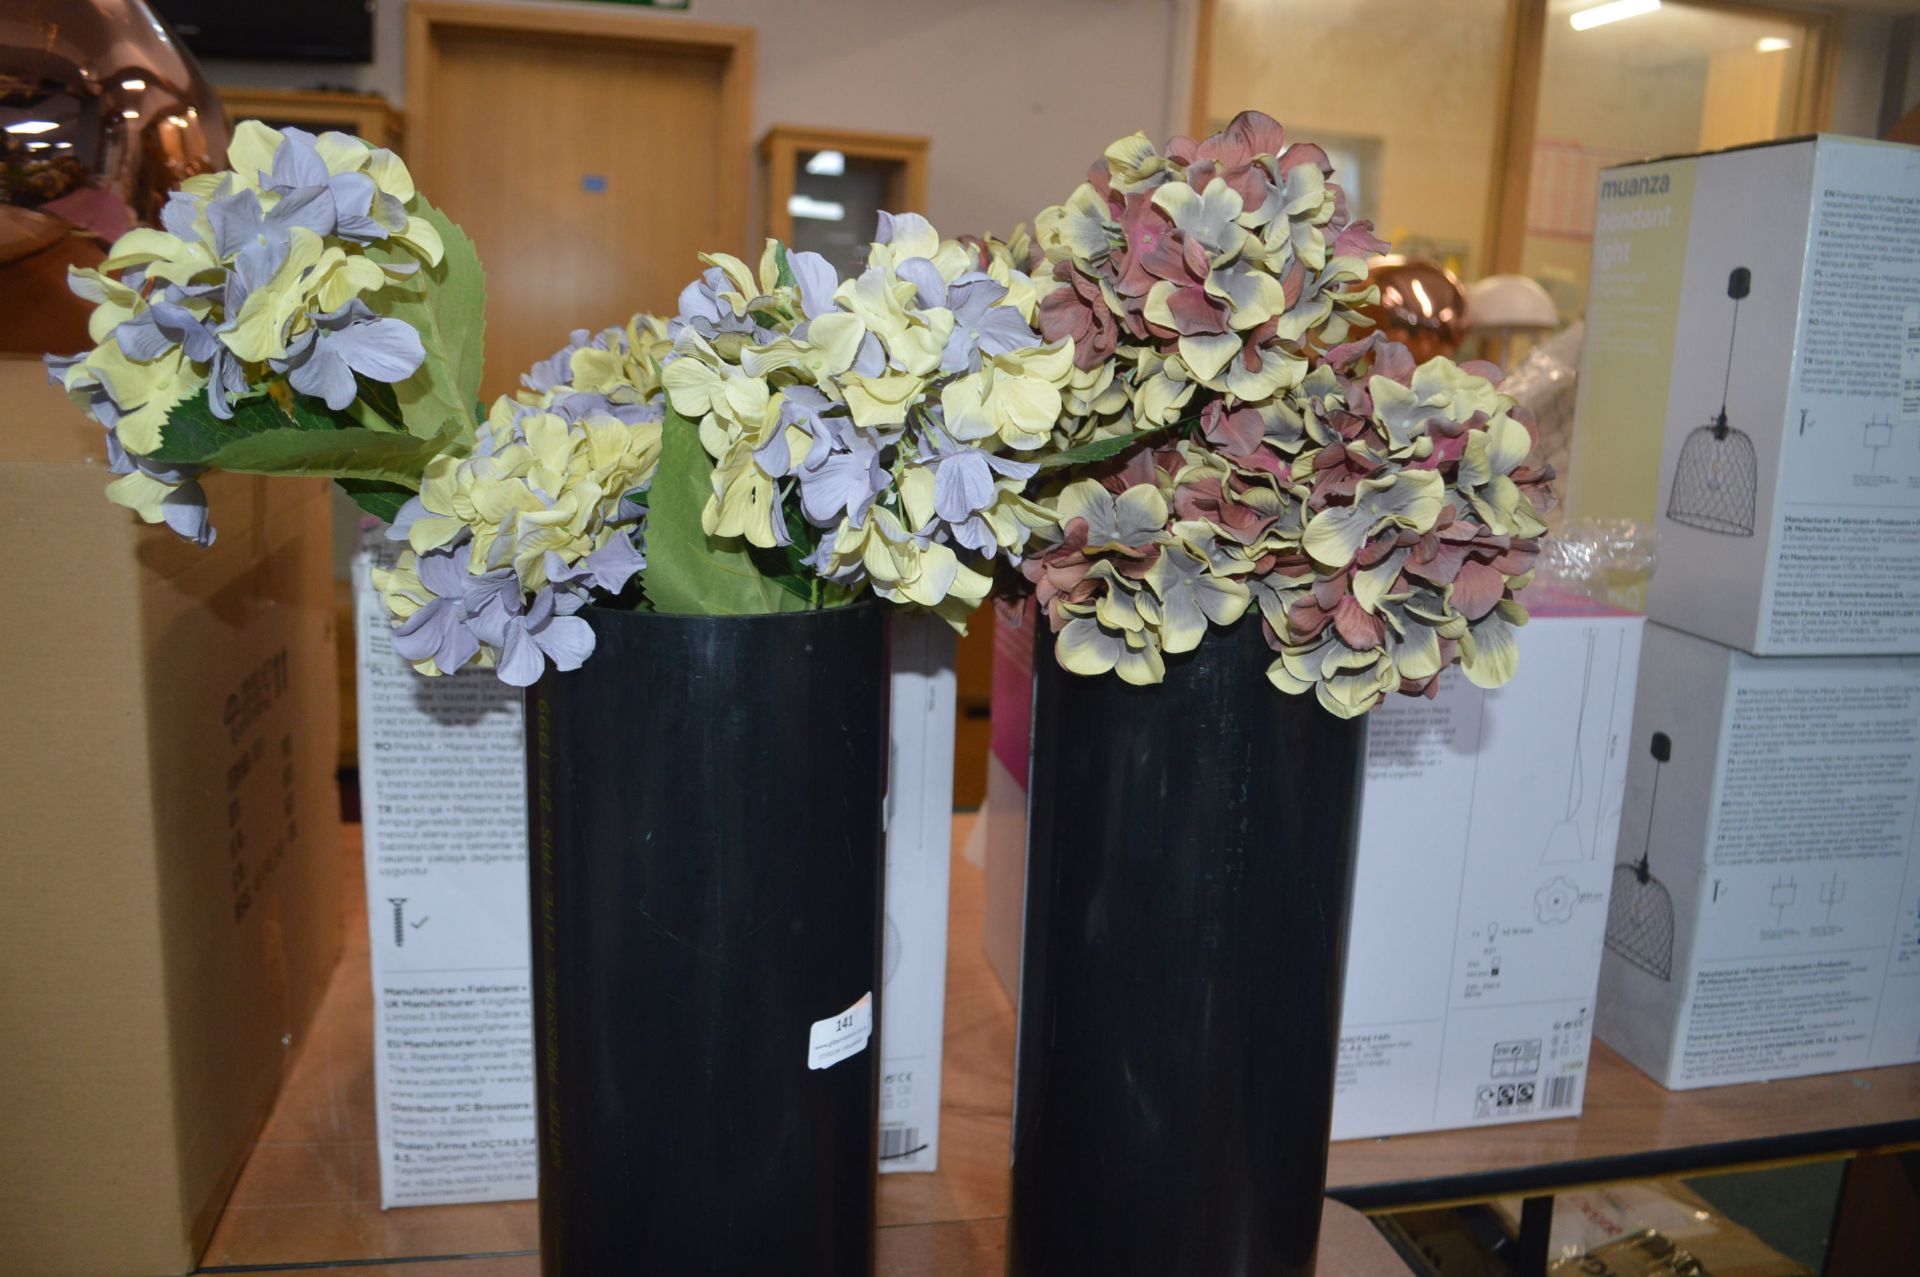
[1536,1229]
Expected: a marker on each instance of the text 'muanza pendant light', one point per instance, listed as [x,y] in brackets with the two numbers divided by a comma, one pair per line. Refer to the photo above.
[1717,480]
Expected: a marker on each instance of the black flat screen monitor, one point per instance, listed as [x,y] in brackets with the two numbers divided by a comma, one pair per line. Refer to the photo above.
[273,30]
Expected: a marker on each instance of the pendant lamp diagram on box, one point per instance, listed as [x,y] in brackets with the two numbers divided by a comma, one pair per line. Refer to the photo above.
[1564,843]
[1876,438]
[1781,897]
[1717,481]
[1640,912]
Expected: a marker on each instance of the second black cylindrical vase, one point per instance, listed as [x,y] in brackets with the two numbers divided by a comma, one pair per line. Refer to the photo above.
[706,863]
[1189,868]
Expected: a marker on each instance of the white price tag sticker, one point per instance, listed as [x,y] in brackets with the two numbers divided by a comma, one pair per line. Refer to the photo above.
[834,1039]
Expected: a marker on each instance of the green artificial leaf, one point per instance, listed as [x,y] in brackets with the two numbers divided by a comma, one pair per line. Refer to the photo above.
[378,497]
[783,273]
[786,566]
[380,407]
[351,453]
[194,436]
[689,573]
[446,305]
[1099,449]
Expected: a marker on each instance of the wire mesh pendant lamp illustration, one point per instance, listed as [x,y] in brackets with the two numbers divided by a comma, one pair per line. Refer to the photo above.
[1640,911]
[1718,477]
[1564,843]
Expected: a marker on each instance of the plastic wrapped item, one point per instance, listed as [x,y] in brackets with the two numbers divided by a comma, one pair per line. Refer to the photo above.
[1608,560]
[1660,1228]
[1543,383]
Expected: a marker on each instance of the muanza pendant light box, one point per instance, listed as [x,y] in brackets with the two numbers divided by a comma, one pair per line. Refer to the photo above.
[1487,841]
[1752,391]
[1765,919]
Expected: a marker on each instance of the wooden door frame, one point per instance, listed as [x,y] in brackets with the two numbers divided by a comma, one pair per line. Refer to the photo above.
[1523,46]
[372,118]
[732,47]
[782,145]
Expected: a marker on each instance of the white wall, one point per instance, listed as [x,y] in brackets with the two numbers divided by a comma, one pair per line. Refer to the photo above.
[1861,74]
[1019,96]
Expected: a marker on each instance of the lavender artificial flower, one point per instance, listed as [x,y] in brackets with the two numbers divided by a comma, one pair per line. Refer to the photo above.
[322,360]
[347,205]
[963,486]
[546,631]
[845,478]
[702,310]
[607,570]
[439,630]
[980,327]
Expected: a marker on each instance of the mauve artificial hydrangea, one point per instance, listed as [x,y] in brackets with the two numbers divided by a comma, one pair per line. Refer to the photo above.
[1380,516]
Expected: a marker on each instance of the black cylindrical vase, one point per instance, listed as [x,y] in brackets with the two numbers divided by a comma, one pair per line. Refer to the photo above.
[1189,868]
[706,860]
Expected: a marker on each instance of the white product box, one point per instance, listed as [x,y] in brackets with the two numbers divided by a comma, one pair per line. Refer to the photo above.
[919,845]
[443,800]
[1754,321]
[1765,919]
[1480,894]
[443,806]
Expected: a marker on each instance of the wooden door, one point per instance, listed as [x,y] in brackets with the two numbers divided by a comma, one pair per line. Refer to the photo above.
[591,153]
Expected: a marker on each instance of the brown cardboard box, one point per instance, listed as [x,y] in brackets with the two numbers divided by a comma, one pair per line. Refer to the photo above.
[169,873]
[1653,1229]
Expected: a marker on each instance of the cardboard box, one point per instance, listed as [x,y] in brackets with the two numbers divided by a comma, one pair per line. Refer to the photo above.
[1751,387]
[1660,1228]
[447,913]
[1765,919]
[170,883]
[1480,893]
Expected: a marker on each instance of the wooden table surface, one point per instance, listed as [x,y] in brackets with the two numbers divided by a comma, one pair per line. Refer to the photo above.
[310,1194]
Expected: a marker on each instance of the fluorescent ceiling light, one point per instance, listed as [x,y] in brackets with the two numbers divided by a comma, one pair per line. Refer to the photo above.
[129,114]
[818,210]
[1772,44]
[29,127]
[827,164]
[1614,11]
[134,85]
[38,146]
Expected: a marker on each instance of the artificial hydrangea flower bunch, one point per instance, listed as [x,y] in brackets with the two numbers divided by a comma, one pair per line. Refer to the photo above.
[1212,270]
[259,278]
[1156,411]
[868,431]
[1380,516]
[507,543]
[877,427]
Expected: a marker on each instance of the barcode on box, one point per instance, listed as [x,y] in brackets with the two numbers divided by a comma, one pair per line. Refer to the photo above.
[899,1141]
[1560,1093]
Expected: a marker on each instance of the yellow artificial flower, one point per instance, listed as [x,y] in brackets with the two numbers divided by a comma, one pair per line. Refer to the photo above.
[882,400]
[114,302]
[260,330]
[1014,397]
[145,392]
